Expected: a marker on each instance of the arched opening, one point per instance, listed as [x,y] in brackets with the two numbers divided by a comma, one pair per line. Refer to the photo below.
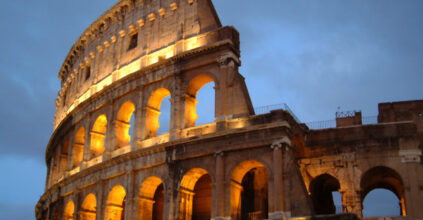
[98,135]
[153,111]
[191,102]
[381,202]
[69,211]
[379,181]
[78,147]
[249,191]
[123,124]
[151,199]
[115,205]
[64,158]
[88,208]
[164,118]
[322,189]
[195,195]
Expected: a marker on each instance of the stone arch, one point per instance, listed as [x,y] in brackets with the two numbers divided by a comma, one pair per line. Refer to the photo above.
[249,190]
[192,89]
[69,211]
[98,136]
[151,199]
[78,147]
[321,189]
[115,204]
[122,124]
[385,178]
[88,208]
[152,111]
[195,195]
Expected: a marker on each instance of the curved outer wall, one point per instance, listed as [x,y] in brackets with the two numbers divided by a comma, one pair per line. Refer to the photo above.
[141,51]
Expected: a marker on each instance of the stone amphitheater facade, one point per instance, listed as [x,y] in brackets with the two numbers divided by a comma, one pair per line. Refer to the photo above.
[241,166]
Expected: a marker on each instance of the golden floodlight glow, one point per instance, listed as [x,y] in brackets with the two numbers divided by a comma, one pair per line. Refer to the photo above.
[146,198]
[136,65]
[69,211]
[190,102]
[153,111]
[115,203]
[236,187]
[89,205]
[98,135]
[186,191]
[122,124]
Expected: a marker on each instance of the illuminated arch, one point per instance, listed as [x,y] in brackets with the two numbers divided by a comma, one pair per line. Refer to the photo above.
[122,124]
[89,208]
[249,183]
[115,206]
[98,135]
[190,102]
[321,189]
[69,211]
[153,111]
[195,195]
[383,178]
[78,147]
[150,202]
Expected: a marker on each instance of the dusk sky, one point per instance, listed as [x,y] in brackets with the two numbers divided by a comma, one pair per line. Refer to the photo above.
[314,56]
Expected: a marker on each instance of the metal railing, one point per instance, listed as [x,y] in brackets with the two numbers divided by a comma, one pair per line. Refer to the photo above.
[368,120]
[268,108]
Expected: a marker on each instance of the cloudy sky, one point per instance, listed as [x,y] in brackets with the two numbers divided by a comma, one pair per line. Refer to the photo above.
[315,56]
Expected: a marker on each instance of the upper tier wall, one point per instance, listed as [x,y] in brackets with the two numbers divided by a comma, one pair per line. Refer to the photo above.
[131,35]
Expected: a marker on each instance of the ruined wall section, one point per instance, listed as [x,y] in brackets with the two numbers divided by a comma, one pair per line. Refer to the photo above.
[131,35]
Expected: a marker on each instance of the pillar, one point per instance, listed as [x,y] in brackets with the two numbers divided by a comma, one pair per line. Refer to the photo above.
[235,197]
[351,202]
[186,200]
[144,208]
[220,187]
[278,184]
[131,198]
[121,136]
[139,124]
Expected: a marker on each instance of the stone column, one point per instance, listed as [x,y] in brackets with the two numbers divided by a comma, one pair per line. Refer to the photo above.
[69,164]
[131,198]
[101,200]
[280,207]
[411,203]
[139,122]
[235,197]
[145,208]
[351,202]
[278,197]
[121,130]
[109,136]
[220,187]
[87,147]
[186,200]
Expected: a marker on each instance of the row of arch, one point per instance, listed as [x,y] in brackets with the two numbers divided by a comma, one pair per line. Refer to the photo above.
[324,187]
[248,190]
[89,144]
[249,194]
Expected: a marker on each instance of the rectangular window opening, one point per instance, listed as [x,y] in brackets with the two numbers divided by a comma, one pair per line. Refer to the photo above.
[133,42]
[87,73]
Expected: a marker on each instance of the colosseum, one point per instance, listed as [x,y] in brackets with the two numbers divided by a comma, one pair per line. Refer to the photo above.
[243,165]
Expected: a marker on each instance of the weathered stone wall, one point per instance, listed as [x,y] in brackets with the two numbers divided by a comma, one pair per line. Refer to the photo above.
[246,165]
